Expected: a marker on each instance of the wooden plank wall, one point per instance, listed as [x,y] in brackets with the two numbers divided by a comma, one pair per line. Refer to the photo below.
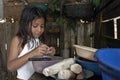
[7,30]
[12,10]
[84,32]
[112,10]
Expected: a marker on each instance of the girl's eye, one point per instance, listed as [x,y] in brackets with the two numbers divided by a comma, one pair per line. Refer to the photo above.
[42,26]
[34,26]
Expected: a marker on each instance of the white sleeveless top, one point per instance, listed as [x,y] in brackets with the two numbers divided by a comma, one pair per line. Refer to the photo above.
[27,70]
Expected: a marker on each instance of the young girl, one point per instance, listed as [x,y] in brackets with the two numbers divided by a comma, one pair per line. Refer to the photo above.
[27,42]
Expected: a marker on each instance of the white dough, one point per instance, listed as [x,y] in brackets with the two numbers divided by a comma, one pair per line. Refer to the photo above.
[54,69]
[66,74]
[76,68]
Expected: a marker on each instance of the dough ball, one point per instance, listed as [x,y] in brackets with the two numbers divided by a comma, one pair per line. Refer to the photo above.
[76,68]
[66,74]
[79,76]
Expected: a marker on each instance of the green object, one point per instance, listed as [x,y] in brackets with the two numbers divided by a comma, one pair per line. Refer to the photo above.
[95,3]
[43,7]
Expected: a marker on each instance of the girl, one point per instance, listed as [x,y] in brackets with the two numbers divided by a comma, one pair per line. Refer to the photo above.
[27,42]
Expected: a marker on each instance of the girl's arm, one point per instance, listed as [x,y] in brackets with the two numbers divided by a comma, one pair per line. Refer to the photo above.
[13,62]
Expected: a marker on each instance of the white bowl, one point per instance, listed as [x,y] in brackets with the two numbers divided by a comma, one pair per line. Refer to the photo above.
[85,52]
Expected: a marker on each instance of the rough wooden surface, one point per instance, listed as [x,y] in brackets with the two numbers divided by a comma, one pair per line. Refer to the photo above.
[7,30]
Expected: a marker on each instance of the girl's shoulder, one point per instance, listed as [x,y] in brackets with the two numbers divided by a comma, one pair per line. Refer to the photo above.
[15,40]
[15,43]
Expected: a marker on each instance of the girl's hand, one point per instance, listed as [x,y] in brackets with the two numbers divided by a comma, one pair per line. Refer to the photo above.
[51,51]
[40,50]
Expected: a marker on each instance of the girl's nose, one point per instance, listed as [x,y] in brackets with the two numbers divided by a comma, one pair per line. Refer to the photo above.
[39,29]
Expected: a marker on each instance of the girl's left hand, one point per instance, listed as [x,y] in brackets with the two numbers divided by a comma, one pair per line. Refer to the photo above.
[51,51]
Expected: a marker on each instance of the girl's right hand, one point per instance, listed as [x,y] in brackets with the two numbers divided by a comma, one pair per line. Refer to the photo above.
[40,50]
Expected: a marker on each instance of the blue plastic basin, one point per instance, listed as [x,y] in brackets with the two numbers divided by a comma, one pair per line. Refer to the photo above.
[89,65]
[109,62]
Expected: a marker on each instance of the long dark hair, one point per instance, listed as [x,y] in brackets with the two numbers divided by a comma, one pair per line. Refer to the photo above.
[28,14]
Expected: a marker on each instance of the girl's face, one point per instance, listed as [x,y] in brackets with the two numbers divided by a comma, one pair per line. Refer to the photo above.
[38,27]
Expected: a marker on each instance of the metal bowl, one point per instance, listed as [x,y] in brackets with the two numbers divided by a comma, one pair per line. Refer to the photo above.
[41,62]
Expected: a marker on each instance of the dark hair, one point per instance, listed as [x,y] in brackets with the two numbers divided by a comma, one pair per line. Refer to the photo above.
[29,13]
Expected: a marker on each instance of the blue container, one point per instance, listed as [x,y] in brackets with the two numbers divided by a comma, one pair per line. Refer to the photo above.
[89,65]
[109,62]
